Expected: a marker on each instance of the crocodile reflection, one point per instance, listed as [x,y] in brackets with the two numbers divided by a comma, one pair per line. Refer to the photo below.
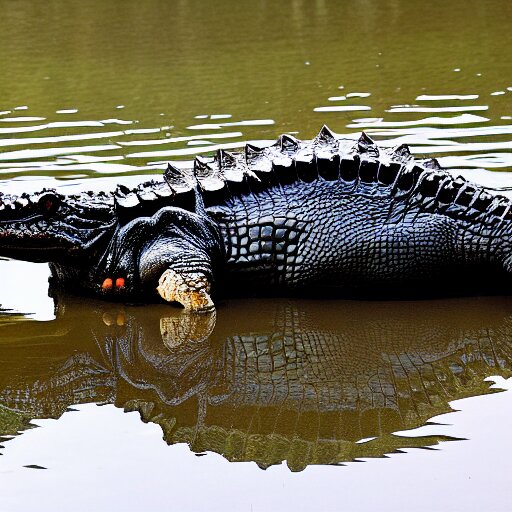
[295,381]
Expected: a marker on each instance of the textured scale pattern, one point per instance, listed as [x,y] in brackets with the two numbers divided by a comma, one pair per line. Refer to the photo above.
[361,167]
[271,243]
[334,212]
[325,213]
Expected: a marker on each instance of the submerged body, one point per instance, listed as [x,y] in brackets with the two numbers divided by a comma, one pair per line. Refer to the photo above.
[324,215]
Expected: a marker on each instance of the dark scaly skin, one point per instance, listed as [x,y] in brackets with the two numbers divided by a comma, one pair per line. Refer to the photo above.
[317,243]
[323,215]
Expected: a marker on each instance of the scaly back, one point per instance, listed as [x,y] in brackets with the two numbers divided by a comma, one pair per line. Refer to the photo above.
[360,168]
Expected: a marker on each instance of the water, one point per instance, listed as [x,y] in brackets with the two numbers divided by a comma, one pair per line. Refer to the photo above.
[91,89]
[94,93]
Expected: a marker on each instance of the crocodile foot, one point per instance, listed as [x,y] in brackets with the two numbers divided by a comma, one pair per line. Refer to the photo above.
[191,290]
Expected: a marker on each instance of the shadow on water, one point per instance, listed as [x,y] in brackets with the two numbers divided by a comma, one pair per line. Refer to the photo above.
[307,382]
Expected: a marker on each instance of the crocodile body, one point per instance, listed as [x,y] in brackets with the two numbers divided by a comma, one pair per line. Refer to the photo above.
[324,215]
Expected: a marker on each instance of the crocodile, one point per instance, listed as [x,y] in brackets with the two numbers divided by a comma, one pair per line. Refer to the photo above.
[330,216]
[303,381]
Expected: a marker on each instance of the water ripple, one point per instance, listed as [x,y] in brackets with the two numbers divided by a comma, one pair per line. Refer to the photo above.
[57,139]
[80,148]
[218,126]
[342,108]
[189,138]
[380,123]
[185,151]
[446,97]
[21,119]
[26,154]
[469,108]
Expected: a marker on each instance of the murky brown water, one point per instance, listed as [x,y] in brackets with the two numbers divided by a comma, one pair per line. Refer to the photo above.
[104,92]
[300,381]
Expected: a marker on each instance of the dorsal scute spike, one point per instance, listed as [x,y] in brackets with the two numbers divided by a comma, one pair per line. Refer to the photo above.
[460,181]
[231,166]
[257,159]
[225,158]
[22,201]
[162,190]
[326,136]
[432,163]
[466,195]
[208,174]
[45,191]
[146,191]
[365,140]
[288,143]
[172,172]
[179,179]
[428,183]
[251,150]
[201,160]
[449,190]
[229,155]
[366,144]
[401,152]
[125,198]
[407,179]
[121,190]
[483,200]
[146,185]
[201,166]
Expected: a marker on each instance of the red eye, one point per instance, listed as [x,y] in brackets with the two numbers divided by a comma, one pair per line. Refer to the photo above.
[48,204]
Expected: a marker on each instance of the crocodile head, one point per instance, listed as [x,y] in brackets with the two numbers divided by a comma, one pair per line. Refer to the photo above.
[50,227]
[170,253]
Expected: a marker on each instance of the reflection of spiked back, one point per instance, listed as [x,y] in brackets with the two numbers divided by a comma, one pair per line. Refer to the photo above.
[361,167]
[289,384]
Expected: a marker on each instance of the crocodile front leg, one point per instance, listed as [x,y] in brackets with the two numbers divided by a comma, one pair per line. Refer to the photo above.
[174,253]
[191,289]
